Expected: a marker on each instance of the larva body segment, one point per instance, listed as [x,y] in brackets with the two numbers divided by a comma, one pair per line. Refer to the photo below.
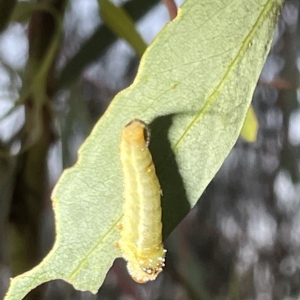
[141,234]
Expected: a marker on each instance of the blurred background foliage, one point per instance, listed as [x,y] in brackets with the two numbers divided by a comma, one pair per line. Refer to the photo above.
[61,63]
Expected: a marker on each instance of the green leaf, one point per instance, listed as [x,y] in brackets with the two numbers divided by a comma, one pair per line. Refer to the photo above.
[194,86]
[122,25]
[250,127]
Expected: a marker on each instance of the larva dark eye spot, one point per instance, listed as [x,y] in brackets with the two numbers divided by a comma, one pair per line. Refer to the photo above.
[147,135]
[141,234]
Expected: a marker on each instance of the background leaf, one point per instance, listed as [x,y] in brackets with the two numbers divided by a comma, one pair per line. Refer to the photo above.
[23,10]
[250,126]
[99,42]
[194,86]
[120,22]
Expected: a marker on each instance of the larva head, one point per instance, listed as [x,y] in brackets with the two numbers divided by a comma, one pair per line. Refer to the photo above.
[136,130]
[147,268]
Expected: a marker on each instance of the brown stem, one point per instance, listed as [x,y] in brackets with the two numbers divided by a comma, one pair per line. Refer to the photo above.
[172,8]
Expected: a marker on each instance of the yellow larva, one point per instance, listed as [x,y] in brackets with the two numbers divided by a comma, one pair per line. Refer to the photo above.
[141,228]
